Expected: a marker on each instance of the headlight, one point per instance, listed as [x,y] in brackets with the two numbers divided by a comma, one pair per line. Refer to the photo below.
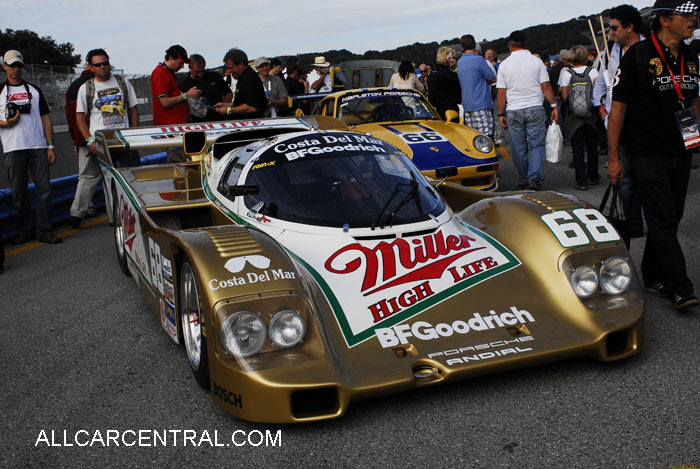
[584,280]
[286,328]
[243,334]
[483,144]
[615,276]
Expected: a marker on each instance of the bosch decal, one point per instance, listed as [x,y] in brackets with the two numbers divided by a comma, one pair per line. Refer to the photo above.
[229,397]
[392,336]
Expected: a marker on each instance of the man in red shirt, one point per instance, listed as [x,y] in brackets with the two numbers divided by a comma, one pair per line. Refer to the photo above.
[169,103]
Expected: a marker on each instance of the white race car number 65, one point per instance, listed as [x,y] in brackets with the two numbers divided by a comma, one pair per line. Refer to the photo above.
[572,231]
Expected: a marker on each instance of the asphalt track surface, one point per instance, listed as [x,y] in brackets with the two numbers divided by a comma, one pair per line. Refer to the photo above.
[80,351]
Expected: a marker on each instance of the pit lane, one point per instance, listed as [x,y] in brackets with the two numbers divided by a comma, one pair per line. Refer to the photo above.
[80,350]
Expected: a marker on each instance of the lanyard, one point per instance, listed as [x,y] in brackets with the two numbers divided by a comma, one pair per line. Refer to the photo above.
[673,76]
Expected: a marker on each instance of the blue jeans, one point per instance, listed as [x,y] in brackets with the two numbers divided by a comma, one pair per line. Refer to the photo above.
[18,165]
[527,129]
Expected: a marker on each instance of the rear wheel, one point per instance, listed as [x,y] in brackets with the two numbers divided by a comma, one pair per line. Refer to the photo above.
[191,320]
[119,234]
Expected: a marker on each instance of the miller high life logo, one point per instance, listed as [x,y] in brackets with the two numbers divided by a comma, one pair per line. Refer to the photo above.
[379,284]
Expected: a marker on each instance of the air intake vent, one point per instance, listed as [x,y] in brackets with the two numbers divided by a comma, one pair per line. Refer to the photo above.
[182,219]
[231,243]
[553,201]
[313,402]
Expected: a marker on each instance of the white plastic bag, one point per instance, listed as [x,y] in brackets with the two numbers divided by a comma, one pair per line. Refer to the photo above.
[554,144]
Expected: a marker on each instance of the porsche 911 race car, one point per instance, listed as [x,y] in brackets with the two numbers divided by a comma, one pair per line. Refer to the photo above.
[304,268]
[406,119]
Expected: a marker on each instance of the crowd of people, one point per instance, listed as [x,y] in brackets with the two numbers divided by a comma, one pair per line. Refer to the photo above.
[645,70]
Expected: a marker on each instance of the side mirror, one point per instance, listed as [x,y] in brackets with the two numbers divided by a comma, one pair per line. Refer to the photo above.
[231,192]
[451,116]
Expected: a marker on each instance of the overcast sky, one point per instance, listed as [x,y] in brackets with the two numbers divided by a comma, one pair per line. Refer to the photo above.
[136,33]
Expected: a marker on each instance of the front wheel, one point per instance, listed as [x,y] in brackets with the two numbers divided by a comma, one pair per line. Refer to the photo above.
[192,320]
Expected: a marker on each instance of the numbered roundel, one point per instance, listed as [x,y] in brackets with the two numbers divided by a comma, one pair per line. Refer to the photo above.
[579,229]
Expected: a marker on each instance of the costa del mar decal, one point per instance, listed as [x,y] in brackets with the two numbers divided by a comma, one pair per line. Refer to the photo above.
[378,284]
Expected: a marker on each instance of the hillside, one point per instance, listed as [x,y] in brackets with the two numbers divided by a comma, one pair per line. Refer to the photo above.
[545,39]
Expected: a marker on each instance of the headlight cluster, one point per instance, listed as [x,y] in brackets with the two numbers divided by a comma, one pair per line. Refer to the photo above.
[483,144]
[244,333]
[613,278]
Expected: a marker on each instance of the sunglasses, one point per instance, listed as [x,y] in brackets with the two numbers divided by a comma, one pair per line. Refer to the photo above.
[101,64]
[16,65]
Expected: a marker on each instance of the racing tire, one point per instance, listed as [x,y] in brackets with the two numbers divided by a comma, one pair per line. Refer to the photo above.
[191,321]
[119,241]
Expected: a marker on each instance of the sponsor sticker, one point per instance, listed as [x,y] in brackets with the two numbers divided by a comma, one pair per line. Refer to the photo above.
[170,324]
[376,285]
[236,265]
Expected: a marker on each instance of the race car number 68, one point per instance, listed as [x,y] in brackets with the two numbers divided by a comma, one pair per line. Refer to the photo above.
[572,233]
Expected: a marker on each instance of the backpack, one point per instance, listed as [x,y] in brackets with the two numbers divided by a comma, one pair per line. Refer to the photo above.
[581,94]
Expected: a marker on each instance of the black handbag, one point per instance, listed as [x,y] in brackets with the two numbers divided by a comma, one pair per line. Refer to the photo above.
[615,214]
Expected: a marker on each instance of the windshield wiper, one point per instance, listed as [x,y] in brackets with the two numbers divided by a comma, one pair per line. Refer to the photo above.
[412,194]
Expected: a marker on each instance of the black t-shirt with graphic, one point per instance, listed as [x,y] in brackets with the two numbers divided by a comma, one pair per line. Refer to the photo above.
[644,83]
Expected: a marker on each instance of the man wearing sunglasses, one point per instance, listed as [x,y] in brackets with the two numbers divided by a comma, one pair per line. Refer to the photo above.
[625,27]
[26,131]
[104,102]
[654,114]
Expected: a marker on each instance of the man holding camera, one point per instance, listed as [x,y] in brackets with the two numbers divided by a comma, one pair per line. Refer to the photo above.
[319,78]
[26,131]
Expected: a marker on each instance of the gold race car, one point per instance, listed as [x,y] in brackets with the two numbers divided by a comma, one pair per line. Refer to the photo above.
[406,119]
[303,268]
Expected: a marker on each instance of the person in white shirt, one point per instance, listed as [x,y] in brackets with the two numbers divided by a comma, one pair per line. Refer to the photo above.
[319,78]
[522,84]
[104,102]
[406,78]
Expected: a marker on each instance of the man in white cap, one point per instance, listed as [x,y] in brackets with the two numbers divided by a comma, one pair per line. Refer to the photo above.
[26,131]
[274,87]
[654,115]
[319,80]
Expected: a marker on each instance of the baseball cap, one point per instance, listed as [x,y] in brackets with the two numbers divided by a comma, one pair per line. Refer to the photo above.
[261,60]
[12,57]
[178,52]
[667,7]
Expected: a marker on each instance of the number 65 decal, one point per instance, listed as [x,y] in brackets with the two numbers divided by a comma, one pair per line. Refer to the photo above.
[570,232]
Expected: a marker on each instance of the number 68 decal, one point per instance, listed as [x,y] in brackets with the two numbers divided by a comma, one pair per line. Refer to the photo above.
[570,233]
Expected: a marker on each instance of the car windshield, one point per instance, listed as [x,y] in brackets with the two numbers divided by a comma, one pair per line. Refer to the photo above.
[338,179]
[384,106]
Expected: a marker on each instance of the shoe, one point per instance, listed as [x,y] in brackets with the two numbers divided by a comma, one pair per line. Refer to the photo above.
[50,238]
[23,238]
[74,222]
[581,188]
[91,212]
[683,299]
[659,288]
[534,185]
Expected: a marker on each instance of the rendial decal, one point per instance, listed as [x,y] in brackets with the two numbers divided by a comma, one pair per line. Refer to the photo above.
[485,351]
[422,330]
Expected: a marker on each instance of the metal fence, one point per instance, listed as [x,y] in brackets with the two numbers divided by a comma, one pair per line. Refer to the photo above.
[54,80]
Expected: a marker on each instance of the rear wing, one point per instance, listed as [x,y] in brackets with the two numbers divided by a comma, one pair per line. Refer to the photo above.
[112,141]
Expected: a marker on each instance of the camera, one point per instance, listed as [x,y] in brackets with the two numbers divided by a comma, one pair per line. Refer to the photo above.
[13,108]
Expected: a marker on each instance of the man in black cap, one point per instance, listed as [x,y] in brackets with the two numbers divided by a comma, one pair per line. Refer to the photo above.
[654,115]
